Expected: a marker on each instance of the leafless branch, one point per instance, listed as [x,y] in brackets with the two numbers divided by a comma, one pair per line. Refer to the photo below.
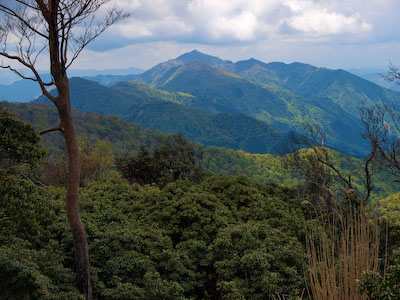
[58,128]
[20,15]
[34,71]
[393,74]
[92,32]
[381,123]
[321,178]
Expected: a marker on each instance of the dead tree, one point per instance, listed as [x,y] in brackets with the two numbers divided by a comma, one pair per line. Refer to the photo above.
[60,29]
[312,160]
[382,130]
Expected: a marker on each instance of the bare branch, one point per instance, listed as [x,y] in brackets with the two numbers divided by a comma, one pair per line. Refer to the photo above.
[58,128]
[90,34]
[34,71]
[22,17]
[317,176]
[393,74]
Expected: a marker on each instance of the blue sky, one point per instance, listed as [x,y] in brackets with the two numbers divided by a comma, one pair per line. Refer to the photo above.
[326,33]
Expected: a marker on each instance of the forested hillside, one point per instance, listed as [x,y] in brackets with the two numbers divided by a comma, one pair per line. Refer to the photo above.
[161,110]
[128,137]
[285,97]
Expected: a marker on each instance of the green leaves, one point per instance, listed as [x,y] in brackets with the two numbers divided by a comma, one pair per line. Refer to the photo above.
[386,287]
[228,238]
[19,143]
[256,261]
[175,158]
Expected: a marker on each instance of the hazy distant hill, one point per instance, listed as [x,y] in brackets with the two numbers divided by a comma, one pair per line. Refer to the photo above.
[20,90]
[157,109]
[376,75]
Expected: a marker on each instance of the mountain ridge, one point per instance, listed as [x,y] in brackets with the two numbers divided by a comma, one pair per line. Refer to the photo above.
[162,110]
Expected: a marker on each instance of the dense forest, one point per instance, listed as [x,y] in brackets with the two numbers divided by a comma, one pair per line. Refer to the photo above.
[265,182]
[161,222]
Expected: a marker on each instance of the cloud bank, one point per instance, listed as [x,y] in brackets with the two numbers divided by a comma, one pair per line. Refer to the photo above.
[332,33]
[236,21]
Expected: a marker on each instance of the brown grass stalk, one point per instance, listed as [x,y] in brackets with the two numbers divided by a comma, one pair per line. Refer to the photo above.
[339,254]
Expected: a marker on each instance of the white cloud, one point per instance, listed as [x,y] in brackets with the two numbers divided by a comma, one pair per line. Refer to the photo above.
[282,27]
[169,26]
[133,29]
[226,21]
[322,23]
[241,27]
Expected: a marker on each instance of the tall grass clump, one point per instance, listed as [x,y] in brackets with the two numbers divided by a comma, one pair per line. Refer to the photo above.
[339,252]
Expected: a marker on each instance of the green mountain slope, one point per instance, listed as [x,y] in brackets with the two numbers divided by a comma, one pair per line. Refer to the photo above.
[124,136]
[217,90]
[220,91]
[344,88]
[223,130]
[161,110]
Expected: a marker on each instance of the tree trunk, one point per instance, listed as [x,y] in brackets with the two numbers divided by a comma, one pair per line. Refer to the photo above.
[79,235]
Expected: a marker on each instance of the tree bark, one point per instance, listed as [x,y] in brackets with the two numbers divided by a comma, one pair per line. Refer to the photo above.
[81,248]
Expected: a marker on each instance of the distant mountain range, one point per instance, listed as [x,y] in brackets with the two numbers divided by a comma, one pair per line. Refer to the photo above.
[247,105]
[344,88]
[20,91]
[283,95]
[376,75]
[14,89]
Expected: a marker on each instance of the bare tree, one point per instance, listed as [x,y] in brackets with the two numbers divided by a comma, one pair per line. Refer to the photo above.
[382,129]
[312,160]
[393,74]
[59,29]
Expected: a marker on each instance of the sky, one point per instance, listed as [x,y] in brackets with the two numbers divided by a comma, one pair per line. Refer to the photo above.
[325,33]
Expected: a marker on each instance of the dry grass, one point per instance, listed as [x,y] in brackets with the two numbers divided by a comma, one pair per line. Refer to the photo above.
[338,257]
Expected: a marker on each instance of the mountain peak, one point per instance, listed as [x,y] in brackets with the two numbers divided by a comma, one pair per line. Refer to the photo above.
[243,65]
[205,58]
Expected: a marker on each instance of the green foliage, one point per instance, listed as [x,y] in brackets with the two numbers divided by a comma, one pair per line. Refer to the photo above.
[27,273]
[152,243]
[273,169]
[96,160]
[123,136]
[389,208]
[174,159]
[19,143]
[128,137]
[254,260]
[199,217]
[31,261]
[132,262]
[386,287]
